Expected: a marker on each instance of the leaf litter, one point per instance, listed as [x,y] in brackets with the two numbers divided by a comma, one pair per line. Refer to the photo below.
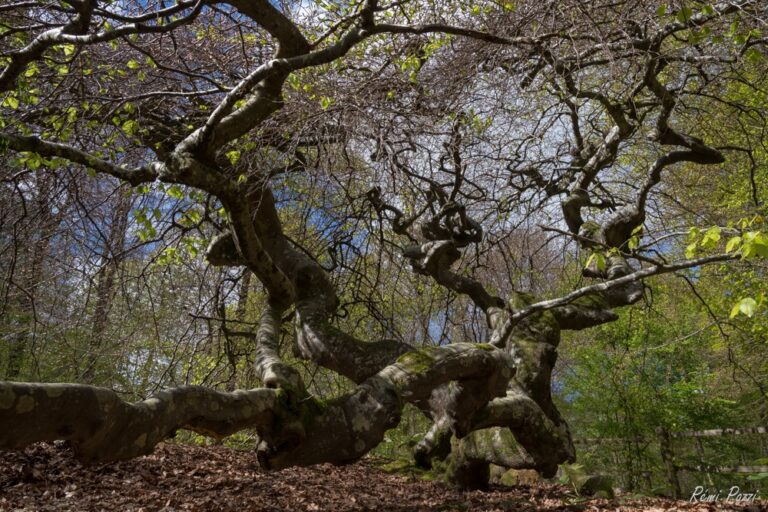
[46,477]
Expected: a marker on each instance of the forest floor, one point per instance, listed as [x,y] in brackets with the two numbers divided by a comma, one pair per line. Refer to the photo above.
[181,477]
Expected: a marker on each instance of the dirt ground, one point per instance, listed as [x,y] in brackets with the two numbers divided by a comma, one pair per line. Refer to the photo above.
[177,477]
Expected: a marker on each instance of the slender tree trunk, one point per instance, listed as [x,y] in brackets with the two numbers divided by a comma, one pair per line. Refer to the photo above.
[242,296]
[242,303]
[702,457]
[667,456]
[29,278]
[113,256]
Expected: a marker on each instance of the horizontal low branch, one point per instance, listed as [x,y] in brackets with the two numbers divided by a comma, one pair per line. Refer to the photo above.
[294,430]
[103,427]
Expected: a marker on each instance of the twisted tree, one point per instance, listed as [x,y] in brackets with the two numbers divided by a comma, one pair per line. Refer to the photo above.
[457,133]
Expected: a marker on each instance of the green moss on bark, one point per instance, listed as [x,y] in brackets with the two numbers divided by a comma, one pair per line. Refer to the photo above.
[417,361]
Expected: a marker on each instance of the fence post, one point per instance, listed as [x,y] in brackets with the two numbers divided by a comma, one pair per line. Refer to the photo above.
[668,457]
[703,460]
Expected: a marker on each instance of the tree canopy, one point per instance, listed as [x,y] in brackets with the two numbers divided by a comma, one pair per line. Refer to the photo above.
[429,195]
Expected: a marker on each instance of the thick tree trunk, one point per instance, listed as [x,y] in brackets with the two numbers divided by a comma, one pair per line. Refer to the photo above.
[540,438]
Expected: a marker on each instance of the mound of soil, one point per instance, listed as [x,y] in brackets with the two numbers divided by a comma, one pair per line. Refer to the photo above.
[45,477]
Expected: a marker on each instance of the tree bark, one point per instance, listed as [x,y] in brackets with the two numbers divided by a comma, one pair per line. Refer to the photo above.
[293,430]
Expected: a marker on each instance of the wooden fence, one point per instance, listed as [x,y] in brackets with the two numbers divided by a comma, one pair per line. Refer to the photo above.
[669,457]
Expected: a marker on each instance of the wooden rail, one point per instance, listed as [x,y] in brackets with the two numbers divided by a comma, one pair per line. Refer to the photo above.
[671,468]
[704,468]
[718,432]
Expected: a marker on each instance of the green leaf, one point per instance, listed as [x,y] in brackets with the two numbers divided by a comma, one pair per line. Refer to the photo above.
[169,256]
[733,28]
[684,14]
[755,244]
[753,55]
[233,156]
[598,258]
[191,244]
[573,474]
[31,160]
[662,10]
[130,126]
[732,244]
[132,64]
[176,192]
[71,114]
[634,240]
[711,238]
[690,250]
[194,216]
[745,306]
[11,101]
